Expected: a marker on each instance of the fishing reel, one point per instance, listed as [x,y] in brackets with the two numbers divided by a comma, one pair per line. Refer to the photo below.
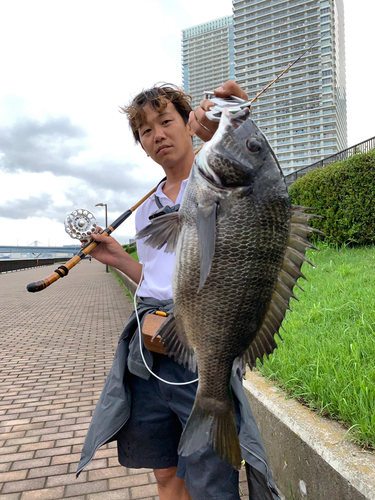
[80,224]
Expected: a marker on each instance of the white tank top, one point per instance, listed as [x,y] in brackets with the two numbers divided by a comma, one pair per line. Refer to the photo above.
[158,265]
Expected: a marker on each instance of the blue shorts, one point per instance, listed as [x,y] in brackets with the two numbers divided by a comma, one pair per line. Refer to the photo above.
[149,439]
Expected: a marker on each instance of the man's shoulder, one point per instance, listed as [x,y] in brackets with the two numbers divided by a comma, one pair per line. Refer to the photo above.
[143,212]
[147,206]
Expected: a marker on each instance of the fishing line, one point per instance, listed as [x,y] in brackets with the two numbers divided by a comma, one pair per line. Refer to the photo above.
[140,333]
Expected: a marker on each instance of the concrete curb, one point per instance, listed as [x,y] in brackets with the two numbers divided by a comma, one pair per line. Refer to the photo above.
[128,283]
[310,456]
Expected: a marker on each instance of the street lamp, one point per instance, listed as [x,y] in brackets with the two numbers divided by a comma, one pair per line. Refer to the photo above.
[106,223]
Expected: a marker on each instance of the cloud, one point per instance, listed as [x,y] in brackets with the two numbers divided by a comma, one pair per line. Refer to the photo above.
[110,184]
[34,146]
[54,146]
[34,206]
[79,195]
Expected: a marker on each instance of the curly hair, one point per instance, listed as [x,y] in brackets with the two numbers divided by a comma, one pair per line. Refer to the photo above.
[157,97]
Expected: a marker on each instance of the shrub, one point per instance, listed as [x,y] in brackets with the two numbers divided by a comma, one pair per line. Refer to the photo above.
[343,193]
[130,248]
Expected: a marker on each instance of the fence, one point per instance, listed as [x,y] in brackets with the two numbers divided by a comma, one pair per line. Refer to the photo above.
[18,264]
[362,147]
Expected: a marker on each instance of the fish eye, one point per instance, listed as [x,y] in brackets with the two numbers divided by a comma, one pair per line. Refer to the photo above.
[253,146]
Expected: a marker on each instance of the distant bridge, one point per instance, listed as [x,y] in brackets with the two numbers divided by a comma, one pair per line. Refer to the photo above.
[67,250]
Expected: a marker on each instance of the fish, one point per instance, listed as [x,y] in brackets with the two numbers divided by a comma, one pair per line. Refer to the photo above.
[239,246]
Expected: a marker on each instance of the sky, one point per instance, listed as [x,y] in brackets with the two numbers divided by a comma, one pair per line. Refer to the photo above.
[65,70]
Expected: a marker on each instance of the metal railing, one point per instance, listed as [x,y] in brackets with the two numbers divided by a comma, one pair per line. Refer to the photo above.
[362,147]
[8,265]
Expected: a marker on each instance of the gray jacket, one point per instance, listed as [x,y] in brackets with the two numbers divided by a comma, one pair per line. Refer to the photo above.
[113,408]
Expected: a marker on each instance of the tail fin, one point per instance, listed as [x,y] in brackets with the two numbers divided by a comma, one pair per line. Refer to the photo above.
[208,427]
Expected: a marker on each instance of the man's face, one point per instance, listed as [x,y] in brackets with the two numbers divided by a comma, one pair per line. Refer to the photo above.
[165,137]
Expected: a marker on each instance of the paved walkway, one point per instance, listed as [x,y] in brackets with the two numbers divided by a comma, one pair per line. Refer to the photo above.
[56,348]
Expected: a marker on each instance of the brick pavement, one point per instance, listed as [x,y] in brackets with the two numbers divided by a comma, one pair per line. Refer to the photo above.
[56,348]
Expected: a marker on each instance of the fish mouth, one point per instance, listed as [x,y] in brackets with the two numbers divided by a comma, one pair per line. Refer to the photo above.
[238,118]
[234,155]
[239,123]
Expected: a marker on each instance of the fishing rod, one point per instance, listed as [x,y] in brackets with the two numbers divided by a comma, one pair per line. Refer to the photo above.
[234,103]
[63,270]
[284,71]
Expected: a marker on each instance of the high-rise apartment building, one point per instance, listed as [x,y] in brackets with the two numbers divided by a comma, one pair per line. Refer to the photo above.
[304,113]
[207,58]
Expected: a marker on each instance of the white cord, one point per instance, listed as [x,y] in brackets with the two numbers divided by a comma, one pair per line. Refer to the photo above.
[141,342]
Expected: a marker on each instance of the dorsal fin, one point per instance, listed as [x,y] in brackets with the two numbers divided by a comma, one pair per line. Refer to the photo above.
[264,343]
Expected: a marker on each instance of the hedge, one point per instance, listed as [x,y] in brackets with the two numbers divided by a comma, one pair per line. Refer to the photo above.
[130,248]
[344,194]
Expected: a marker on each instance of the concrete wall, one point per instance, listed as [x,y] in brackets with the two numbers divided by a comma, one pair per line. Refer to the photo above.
[310,456]
[128,283]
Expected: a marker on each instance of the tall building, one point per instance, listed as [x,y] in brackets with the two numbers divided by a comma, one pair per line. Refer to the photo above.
[207,58]
[304,113]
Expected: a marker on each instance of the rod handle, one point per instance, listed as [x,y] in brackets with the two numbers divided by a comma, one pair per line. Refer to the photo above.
[63,270]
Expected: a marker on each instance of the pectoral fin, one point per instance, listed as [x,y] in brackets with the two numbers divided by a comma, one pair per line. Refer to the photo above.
[176,343]
[162,230]
[206,227]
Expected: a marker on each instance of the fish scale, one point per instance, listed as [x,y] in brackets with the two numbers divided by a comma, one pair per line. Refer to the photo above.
[239,249]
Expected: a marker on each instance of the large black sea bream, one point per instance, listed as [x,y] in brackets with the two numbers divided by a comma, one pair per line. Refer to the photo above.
[239,249]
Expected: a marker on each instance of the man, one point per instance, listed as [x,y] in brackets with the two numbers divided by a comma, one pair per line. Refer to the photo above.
[144,414]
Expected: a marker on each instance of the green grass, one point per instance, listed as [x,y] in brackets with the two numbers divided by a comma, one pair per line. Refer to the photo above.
[121,283]
[327,359]
[135,256]
[128,294]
